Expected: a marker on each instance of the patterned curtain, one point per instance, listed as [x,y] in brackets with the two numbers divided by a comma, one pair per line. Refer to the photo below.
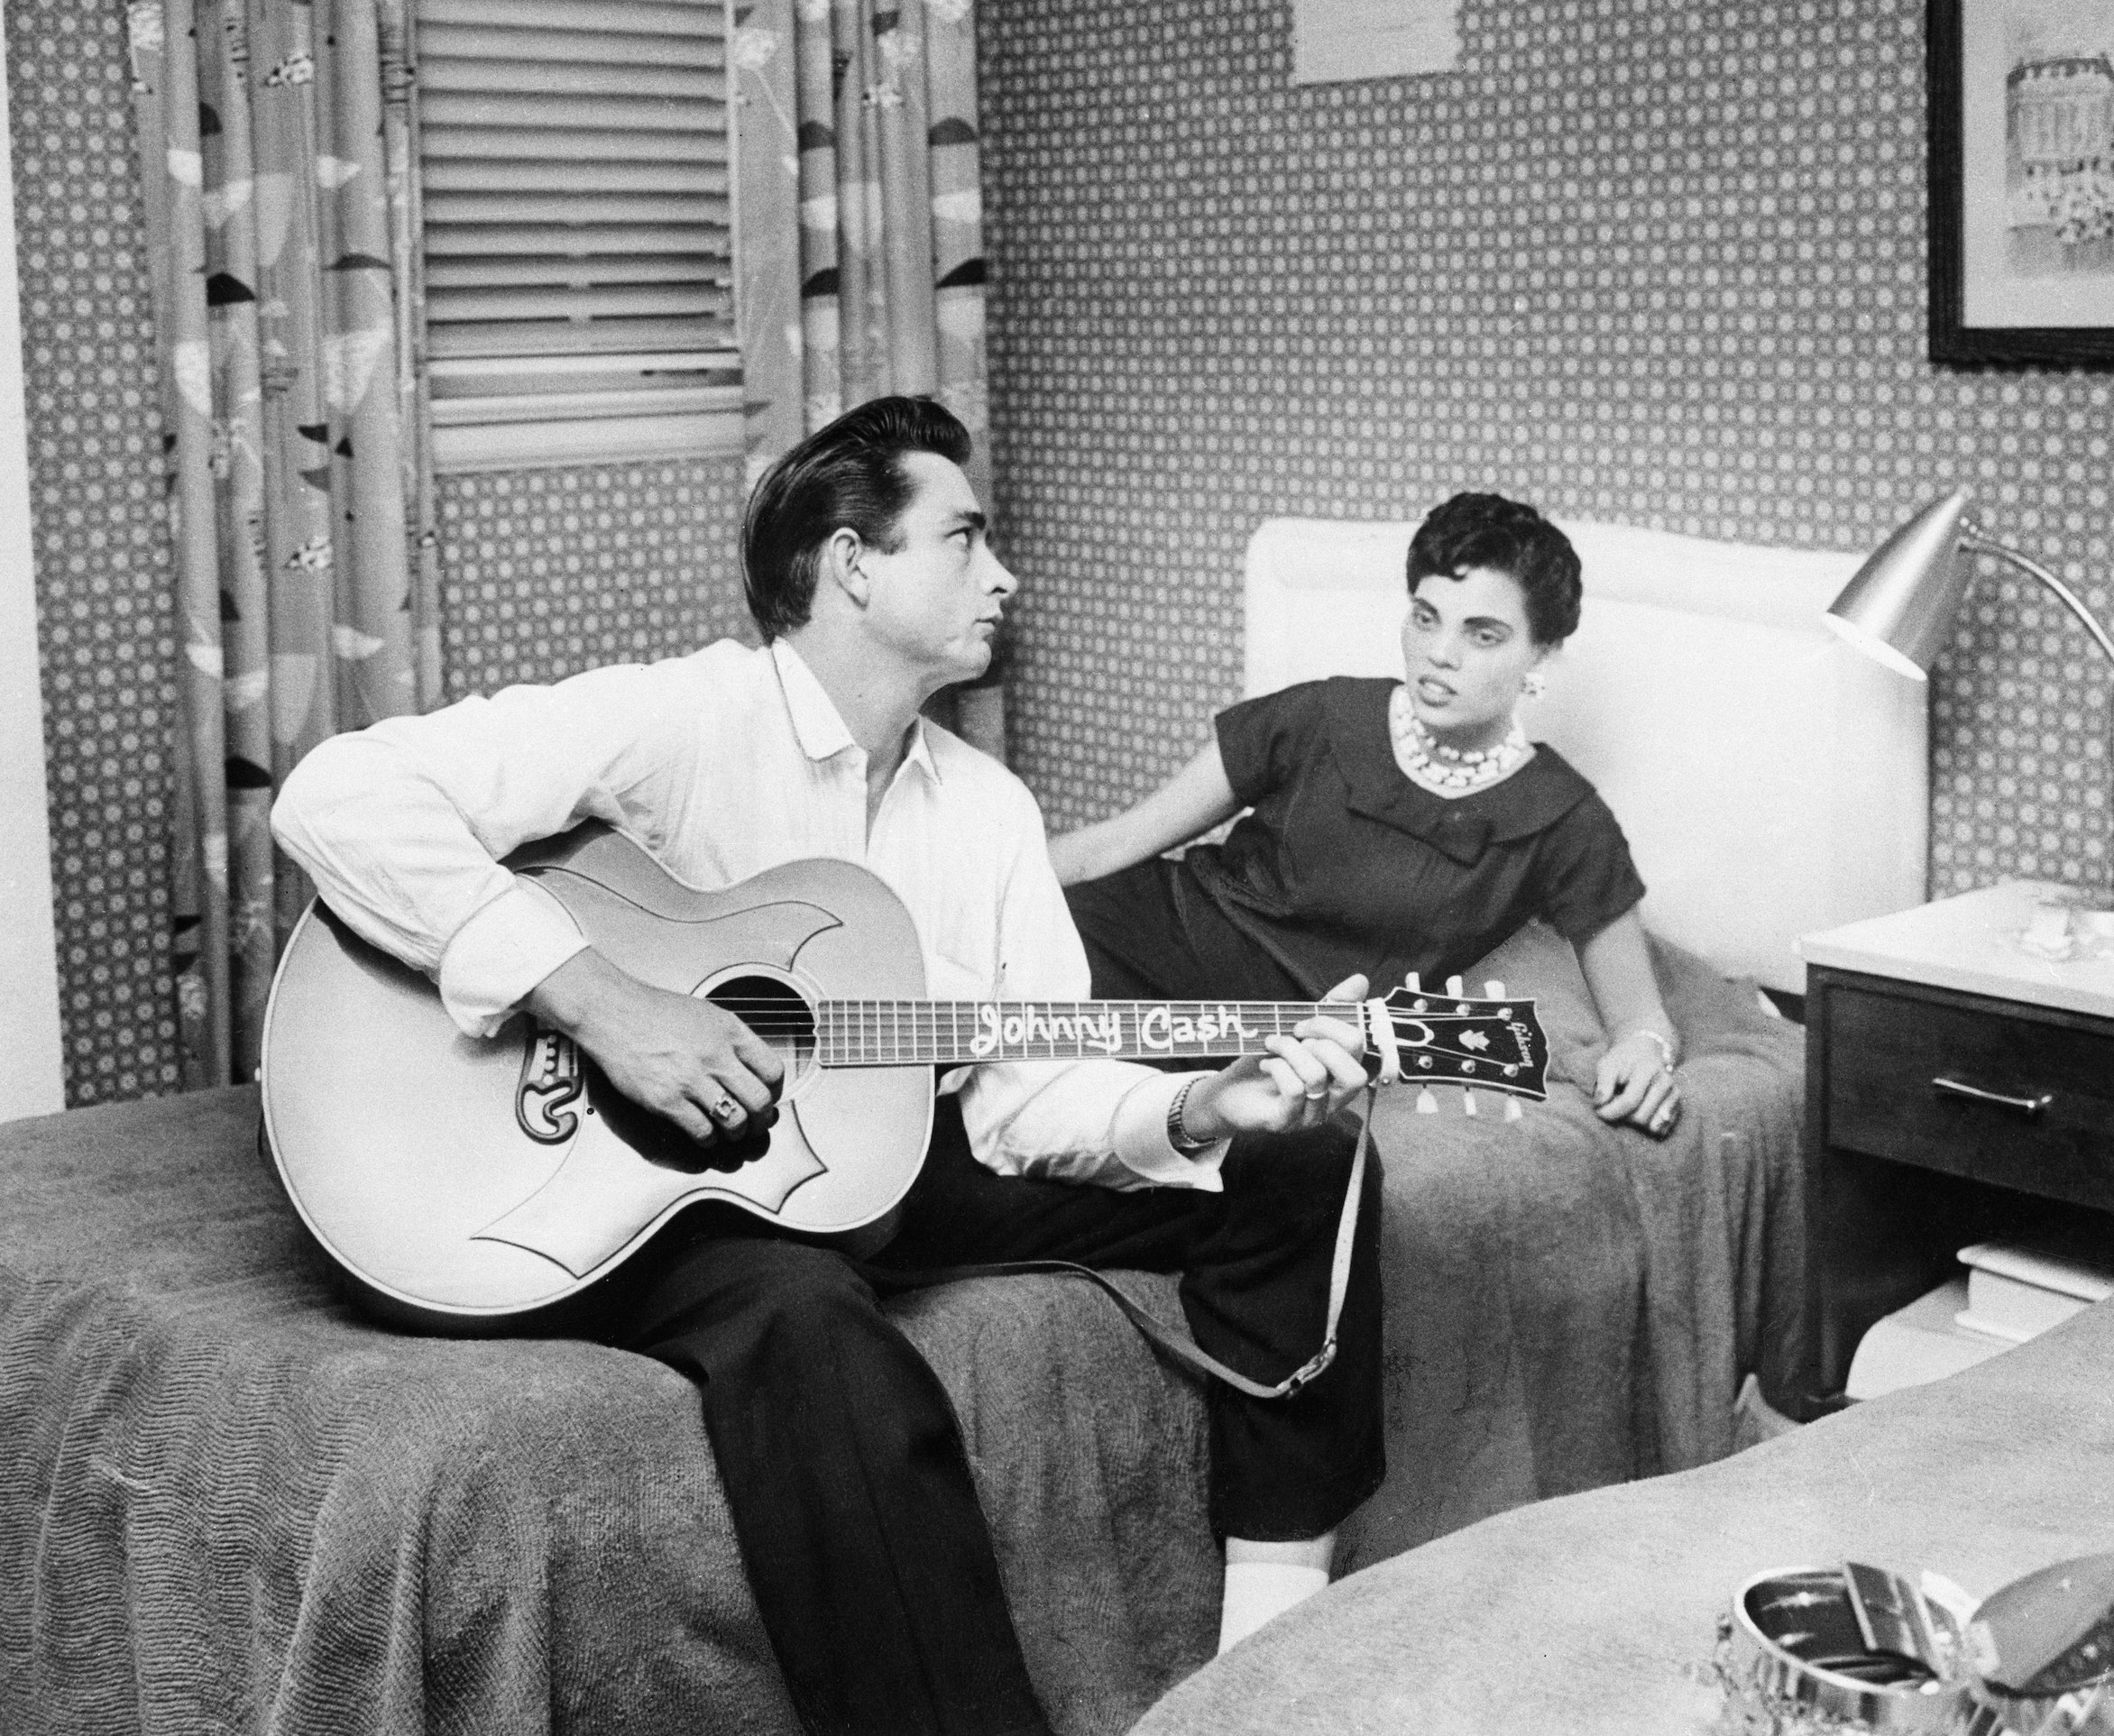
[276,154]
[861,221]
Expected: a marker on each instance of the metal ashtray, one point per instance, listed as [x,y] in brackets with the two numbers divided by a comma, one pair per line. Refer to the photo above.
[1796,1657]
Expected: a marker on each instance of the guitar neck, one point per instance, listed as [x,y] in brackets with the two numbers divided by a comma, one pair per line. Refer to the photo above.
[953,1033]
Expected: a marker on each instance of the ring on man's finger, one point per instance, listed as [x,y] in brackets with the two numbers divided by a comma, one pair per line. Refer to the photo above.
[722,1108]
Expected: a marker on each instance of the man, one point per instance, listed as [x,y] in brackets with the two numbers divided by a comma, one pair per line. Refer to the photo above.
[870,578]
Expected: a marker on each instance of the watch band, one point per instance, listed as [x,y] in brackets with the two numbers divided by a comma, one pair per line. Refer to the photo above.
[1178,1135]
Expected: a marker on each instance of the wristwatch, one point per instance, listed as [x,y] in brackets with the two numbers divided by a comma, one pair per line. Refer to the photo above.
[1178,1135]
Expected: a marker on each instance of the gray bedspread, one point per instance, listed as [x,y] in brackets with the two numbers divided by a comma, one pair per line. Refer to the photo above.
[1596,1615]
[228,1503]
[1570,1305]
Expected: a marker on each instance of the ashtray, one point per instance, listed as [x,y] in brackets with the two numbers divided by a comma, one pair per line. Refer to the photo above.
[1799,1656]
[1812,1651]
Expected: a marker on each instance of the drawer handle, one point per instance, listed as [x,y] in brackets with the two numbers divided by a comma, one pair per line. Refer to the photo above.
[2026,1106]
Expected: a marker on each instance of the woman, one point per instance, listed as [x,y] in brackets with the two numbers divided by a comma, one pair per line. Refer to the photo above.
[1395,826]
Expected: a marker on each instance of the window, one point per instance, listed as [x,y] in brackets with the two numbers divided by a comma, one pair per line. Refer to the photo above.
[576,179]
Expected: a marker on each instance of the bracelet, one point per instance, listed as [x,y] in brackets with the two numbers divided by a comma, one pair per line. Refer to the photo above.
[1178,1135]
[1665,1049]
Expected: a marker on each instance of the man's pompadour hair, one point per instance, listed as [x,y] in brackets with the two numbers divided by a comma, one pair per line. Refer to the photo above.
[849,474]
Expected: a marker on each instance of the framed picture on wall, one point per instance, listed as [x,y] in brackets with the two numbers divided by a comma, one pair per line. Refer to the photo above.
[2022,181]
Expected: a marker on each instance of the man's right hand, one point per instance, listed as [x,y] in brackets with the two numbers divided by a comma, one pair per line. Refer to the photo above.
[681,1057]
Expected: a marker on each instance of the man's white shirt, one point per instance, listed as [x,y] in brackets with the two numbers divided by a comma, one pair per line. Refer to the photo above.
[723,763]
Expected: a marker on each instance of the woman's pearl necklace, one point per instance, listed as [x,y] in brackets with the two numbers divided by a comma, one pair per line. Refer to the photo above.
[1430,761]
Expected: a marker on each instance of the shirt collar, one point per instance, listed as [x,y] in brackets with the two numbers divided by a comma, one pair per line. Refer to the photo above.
[820,728]
[919,753]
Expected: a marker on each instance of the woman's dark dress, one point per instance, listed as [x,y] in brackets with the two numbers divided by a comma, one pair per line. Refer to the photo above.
[1346,866]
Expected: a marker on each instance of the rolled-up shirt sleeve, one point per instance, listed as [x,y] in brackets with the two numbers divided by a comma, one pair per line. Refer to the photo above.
[401,824]
[1103,1122]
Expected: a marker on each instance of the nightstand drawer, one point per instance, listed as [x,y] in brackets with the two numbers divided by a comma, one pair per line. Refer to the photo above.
[1903,1071]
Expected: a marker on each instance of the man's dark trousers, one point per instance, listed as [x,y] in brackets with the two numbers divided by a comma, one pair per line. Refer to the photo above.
[844,1466]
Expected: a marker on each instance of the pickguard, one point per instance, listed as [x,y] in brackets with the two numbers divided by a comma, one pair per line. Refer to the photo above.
[625,1170]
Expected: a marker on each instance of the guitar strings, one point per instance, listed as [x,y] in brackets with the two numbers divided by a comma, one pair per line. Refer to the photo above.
[877,1031]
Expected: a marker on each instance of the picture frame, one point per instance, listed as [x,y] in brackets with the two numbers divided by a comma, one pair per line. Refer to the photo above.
[2021,178]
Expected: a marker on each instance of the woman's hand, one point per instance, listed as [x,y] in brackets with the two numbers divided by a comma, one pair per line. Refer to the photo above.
[1305,1078]
[1636,1084]
[1636,1080]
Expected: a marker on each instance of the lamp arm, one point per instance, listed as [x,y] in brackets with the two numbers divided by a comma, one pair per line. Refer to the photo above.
[1970,537]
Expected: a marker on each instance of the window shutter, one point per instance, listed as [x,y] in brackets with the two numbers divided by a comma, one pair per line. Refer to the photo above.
[577,191]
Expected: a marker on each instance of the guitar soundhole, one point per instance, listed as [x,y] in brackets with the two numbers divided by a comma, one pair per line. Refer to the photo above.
[776,1013]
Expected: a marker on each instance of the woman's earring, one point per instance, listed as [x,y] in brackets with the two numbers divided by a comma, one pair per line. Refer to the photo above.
[1531,684]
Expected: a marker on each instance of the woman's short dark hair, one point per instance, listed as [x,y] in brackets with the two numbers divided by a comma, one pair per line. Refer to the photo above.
[1488,531]
[848,474]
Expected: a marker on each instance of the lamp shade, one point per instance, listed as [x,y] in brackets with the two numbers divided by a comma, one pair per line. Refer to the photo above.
[1899,606]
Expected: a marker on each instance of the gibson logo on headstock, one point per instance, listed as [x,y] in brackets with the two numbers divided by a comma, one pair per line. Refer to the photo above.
[550,1079]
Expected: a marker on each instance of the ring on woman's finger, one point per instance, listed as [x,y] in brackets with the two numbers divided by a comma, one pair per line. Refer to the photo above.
[1316,1095]
[722,1108]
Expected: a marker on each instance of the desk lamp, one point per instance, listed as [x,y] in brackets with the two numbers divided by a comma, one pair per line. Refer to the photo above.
[1898,608]
[1900,605]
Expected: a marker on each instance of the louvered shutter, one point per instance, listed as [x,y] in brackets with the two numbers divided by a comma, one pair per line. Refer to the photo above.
[576,185]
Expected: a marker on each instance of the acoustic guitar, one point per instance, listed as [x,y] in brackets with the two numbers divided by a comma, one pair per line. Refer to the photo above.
[479,1184]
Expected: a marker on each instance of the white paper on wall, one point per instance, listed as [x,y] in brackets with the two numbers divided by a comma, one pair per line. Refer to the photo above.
[1334,41]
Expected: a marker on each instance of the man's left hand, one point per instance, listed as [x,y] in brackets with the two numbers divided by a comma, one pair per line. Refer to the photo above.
[1305,1078]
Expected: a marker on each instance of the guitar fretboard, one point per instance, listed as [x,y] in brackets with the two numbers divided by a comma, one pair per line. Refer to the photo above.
[948,1034]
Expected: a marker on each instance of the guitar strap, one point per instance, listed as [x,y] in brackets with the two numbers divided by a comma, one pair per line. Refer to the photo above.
[1180,1348]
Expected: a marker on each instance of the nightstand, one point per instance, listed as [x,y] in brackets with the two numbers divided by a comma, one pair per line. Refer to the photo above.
[1958,1088]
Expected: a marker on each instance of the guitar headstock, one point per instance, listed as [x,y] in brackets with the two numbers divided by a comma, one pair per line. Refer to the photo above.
[1492,1043]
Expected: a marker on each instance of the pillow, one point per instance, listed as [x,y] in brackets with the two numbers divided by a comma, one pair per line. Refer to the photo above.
[1539,962]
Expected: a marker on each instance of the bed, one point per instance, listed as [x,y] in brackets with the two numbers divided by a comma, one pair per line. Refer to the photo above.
[1596,1615]
[229,1502]
[1570,1306]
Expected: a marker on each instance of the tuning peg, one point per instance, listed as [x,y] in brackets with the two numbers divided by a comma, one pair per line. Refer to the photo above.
[1493,989]
[1453,987]
[1413,983]
[1512,1108]
[1468,1102]
[1427,1105]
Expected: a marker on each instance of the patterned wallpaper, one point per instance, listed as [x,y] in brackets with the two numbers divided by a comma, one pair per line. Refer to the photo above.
[545,572]
[104,621]
[1657,261]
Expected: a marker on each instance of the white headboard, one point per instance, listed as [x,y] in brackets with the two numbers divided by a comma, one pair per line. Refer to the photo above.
[1771,781]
